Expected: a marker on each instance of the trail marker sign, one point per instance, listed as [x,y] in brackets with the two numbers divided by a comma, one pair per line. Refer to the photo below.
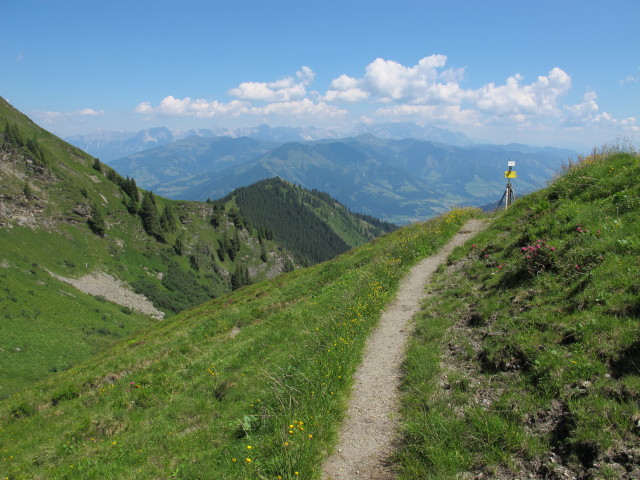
[509,196]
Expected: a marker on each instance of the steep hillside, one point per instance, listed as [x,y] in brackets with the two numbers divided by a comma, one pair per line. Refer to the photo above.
[311,225]
[251,385]
[526,363]
[67,219]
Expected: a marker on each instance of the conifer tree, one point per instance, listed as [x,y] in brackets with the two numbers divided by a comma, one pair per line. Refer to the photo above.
[179,244]
[26,189]
[96,221]
[17,138]
[216,216]
[240,277]
[168,219]
[149,215]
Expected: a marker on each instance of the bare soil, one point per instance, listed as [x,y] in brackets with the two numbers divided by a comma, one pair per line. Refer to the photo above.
[367,436]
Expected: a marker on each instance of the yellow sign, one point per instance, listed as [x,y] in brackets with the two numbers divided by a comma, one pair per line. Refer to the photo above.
[510,174]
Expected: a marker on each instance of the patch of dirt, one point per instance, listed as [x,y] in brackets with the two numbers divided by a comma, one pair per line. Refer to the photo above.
[112,289]
[369,432]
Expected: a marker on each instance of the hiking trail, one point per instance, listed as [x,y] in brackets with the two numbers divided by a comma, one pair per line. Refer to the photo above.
[366,438]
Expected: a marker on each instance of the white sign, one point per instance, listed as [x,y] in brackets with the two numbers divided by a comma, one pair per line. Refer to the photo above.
[511,163]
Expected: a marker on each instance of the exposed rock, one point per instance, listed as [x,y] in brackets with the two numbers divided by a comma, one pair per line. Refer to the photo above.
[114,290]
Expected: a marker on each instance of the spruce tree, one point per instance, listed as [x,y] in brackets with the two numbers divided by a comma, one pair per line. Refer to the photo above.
[149,215]
[168,219]
[26,189]
[96,221]
[179,244]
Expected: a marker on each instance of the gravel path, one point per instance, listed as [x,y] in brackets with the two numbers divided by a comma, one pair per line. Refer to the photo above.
[112,289]
[365,440]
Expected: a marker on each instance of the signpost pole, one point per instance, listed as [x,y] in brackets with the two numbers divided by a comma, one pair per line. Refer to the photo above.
[508,196]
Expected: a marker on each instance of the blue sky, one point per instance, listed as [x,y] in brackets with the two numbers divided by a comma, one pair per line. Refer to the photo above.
[563,73]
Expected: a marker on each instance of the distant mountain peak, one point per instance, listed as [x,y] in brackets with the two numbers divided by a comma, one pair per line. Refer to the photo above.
[402,130]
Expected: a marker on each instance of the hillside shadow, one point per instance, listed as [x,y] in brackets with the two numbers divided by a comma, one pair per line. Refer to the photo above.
[628,362]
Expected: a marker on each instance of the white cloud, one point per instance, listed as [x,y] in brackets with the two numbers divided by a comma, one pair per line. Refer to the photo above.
[171,106]
[346,89]
[186,107]
[428,91]
[587,113]
[514,98]
[301,108]
[48,116]
[90,112]
[447,114]
[430,83]
[630,79]
[283,90]
[388,81]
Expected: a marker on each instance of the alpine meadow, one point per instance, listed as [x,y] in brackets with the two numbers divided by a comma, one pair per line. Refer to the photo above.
[523,361]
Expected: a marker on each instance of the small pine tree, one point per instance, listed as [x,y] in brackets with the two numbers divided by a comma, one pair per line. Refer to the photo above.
[97,165]
[96,221]
[28,193]
[168,219]
[216,216]
[149,215]
[240,277]
[17,138]
[289,266]
[179,244]
[132,206]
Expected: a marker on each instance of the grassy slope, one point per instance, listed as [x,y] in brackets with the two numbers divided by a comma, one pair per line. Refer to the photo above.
[251,385]
[527,357]
[47,326]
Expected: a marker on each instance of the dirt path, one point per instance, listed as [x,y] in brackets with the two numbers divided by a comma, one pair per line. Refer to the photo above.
[366,437]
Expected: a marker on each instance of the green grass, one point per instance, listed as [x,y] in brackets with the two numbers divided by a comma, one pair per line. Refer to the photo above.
[267,367]
[528,347]
[47,326]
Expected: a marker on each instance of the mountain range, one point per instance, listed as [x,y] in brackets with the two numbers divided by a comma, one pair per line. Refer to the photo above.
[109,146]
[395,180]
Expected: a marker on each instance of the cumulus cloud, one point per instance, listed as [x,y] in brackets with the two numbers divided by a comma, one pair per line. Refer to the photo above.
[587,113]
[171,106]
[283,90]
[514,98]
[428,91]
[430,83]
[388,81]
[186,107]
[285,97]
